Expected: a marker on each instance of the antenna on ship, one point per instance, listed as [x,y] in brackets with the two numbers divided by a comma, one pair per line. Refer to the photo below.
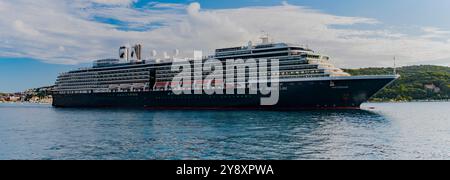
[154,53]
[265,38]
[250,45]
[176,52]
[395,65]
[165,55]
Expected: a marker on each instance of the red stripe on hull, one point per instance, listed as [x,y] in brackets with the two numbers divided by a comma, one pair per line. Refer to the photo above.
[253,108]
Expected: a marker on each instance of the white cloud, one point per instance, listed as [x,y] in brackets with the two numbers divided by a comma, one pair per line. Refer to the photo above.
[58,31]
[24,29]
[434,32]
[62,48]
[165,5]
[114,2]
[2,6]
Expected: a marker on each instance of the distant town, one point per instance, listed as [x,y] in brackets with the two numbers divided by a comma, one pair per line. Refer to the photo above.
[40,95]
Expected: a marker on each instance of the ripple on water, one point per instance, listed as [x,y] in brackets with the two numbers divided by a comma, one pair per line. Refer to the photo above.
[386,131]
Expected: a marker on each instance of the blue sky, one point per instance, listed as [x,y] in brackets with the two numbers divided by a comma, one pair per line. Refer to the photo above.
[395,12]
[21,74]
[41,38]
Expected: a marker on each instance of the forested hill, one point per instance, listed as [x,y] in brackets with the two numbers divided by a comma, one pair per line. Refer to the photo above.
[424,82]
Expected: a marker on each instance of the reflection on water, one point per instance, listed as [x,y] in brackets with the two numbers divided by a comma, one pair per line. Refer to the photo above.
[390,131]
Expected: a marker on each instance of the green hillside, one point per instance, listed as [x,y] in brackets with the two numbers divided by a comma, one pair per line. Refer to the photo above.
[416,83]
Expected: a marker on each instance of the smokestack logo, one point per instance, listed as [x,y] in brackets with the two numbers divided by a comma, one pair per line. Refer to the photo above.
[136,52]
[133,53]
[123,53]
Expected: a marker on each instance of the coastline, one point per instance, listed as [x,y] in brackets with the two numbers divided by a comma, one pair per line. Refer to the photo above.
[371,102]
[418,100]
[25,102]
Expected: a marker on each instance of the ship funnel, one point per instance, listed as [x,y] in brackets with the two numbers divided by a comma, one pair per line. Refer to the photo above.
[136,52]
[123,53]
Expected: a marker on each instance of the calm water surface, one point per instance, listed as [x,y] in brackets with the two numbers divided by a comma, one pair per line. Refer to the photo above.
[384,131]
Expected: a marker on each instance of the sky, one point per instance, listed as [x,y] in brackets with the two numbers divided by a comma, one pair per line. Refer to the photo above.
[41,38]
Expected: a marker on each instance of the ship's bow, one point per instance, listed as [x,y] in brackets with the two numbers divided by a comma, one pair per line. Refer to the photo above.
[333,93]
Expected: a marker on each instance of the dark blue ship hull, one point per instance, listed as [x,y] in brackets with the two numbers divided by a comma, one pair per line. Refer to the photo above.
[335,93]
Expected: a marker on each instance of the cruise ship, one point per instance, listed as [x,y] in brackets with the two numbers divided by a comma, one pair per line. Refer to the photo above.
[306,80]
